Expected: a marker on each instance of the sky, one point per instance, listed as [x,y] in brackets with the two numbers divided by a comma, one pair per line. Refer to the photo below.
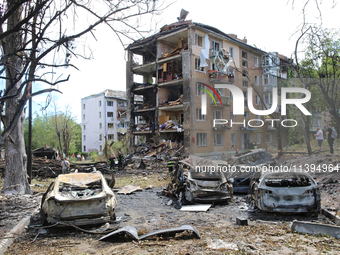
[269,25]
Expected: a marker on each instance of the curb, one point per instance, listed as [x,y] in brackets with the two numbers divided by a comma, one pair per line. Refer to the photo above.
[14,233]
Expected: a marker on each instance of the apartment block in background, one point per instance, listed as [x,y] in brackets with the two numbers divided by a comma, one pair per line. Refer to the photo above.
[103,116]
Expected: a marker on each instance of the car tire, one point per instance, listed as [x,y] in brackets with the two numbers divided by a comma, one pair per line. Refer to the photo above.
[113,217]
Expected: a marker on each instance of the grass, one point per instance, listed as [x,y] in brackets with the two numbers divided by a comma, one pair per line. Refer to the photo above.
[154,180]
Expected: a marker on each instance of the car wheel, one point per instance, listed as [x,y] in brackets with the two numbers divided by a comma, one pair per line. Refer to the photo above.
[113,217]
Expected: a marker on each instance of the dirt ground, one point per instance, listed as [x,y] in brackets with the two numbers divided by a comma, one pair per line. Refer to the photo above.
[147,210]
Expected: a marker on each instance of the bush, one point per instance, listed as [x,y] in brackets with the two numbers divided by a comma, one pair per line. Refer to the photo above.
[85,154]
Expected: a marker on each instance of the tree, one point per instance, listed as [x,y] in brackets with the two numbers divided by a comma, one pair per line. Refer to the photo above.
[321,63]
[37,37]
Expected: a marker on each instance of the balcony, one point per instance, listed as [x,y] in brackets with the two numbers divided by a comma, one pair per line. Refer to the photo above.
[144,69]
[226,101]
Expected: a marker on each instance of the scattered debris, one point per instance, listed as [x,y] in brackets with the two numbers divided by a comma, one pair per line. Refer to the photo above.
[195,208]
[218,244]
[241,221]
[315,228]
[129,189]
[133,233]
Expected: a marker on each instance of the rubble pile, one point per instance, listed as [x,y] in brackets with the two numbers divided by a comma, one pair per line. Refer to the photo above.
[154,157]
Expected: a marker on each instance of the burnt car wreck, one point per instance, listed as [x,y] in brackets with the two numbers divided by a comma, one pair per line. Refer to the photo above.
[79,199]
[202,186]
[245,165]
[286,192]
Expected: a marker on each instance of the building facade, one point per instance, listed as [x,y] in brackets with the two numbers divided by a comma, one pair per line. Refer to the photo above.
[174,69]
[103,118]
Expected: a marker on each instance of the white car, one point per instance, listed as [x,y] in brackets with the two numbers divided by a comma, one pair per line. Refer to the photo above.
[286,192]
[79,199]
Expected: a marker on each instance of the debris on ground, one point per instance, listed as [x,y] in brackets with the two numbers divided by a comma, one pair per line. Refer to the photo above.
[195,208]
[129,189]
[315,228]
[133,233]
[218,244]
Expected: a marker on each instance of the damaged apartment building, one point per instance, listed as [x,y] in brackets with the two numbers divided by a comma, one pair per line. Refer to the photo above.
[170,71]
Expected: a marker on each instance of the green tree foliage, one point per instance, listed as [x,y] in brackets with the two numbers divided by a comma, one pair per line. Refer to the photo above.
[44,132]
[321,66]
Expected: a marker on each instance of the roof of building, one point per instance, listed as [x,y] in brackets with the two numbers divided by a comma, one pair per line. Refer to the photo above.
[108,93]
[167,29]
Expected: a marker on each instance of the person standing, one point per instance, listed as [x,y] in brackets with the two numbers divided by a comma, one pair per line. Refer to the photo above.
[120,161]
[111,162]
[171,164]
[331,133]
[319,137]
[65,166]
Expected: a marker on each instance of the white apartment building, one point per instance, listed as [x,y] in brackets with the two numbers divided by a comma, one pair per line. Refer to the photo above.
[103,117]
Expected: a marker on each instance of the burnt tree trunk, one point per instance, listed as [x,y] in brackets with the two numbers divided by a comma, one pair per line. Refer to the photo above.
[16,159]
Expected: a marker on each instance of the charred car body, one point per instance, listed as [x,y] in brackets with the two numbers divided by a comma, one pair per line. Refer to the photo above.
[79,199]
[244,165]
[286,192]
[204,185]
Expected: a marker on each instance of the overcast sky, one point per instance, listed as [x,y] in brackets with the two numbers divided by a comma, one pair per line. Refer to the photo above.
[267,24]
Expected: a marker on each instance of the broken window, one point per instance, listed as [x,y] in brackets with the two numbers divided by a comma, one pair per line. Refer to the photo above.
[231,52]
[109,103]
[110,125]
[201,139]
[215,48]
[77,190]
[257,80]
[199,40]
[197,65]
[244,73]
[287,180]
[218,139]
[199,89]
[199,115]
[109,114]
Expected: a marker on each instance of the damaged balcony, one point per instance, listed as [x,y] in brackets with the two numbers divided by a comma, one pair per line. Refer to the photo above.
[148,100]
[170,72]
[221,60]
[144,123]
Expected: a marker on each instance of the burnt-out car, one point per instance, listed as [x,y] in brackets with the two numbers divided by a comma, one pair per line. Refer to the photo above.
[243,166]
[201,182]
[286,192]
[79,199]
